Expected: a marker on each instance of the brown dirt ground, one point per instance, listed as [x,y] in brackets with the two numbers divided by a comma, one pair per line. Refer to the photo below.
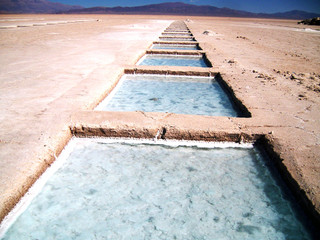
[51,75]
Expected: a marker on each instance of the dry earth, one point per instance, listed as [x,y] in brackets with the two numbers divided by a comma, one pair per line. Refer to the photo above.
[49,73]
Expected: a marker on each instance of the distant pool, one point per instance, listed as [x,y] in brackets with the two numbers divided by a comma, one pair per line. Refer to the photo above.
[177,39]
[176,34]
[173,60]
[175,46]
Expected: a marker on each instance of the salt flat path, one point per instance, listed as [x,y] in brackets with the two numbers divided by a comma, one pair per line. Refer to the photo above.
[50,73]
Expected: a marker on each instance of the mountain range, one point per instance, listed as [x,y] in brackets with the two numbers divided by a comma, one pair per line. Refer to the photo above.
[169,8]
[33,6]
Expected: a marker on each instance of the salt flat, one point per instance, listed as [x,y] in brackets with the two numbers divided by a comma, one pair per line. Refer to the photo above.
[49,72]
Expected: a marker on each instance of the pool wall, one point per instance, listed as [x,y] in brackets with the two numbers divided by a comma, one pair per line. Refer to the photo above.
[176,52]
[158,126]
[180,43]
[290,177]
[177,38]
[176,43]
[108,90]
[44,161]
[169,71]
[236,102]
[185,34]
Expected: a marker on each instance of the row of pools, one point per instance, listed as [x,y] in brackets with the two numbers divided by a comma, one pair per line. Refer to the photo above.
[144,189]
[175,39]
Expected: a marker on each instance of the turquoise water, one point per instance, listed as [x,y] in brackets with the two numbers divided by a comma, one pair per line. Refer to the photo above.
[175,46]
[175,94]
[177,30]
[110,190]
[176,39]
[173,60]
[176,34]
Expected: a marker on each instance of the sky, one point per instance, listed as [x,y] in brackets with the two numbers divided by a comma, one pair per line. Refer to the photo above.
[257,6]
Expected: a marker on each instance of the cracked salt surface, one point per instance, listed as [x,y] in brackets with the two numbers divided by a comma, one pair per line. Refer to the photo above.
[127,189]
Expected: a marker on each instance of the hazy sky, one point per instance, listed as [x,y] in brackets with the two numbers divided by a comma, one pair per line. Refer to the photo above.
[266,6]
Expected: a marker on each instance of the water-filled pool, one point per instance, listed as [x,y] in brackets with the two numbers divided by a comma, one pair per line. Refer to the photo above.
[176,31]
[176,39]
[173,60]
[176,34]
[107,189]
[175,46]
[176,94]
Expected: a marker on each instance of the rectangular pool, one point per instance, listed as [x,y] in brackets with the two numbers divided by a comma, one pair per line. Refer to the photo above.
[130,189]
[175,94]
[184,30]
[176,46]
[176,34]
[177,39]
[173,60]
[176,31]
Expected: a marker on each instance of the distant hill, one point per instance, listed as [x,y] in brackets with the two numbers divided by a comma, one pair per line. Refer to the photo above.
[169,8]
[179,8]
[175,8]
[33,6]
[295,15]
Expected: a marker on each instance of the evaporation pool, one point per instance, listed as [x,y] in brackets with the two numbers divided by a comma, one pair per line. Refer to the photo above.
[176,31]
[176,34]
[173,60]
[175,46]
[175,94]
[107,189]
[176,39]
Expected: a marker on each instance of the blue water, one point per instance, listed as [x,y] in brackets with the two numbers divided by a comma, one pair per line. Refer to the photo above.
[176,39]
[175,46]
[173,60]
[176,34]
[176,31]
[182,95]
[142,191]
